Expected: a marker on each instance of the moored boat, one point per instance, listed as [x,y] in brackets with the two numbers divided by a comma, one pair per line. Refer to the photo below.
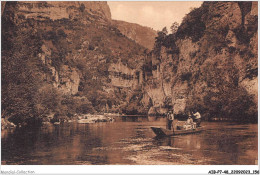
[166,132]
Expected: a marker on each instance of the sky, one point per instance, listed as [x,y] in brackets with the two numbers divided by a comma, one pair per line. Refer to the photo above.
[154,14]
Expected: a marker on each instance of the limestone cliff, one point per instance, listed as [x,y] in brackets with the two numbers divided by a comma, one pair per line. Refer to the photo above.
[210,65]
[144,36]
[40,10]
[62,58]
[65,50]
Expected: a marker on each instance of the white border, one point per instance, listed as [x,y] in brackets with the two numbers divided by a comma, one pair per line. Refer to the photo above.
[128,169]
[124,169]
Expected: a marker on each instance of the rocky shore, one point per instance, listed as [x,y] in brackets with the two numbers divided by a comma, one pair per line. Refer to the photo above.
[57,120]
[94,119]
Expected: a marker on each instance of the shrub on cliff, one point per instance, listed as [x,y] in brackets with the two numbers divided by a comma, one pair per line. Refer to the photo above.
[192,25]
[159,40]
[174,27]
[164,40]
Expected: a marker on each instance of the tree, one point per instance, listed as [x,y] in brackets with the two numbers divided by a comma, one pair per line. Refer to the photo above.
[161,36]
[160,39]
[174,27]
[165,31]
[19,50]
[19,81]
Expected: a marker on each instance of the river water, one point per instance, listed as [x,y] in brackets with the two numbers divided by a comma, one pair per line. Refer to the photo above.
[130,141]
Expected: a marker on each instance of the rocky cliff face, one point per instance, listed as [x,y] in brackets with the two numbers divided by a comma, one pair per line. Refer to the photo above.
[210,65]
[65,50]
[74,59]
[144,36]
[59,10]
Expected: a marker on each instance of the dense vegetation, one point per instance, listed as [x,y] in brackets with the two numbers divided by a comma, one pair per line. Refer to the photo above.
[219,75]
[67,45]
[39,56]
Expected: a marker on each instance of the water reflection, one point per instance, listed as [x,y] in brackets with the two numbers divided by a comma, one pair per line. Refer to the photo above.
[128,142]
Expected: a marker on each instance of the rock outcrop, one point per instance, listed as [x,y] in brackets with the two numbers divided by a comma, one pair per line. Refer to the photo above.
[66,50]
[58,10]
[62,58]
[210,65]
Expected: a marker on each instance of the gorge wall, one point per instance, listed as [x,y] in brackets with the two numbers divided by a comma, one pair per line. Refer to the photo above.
[62,58]
[210,64]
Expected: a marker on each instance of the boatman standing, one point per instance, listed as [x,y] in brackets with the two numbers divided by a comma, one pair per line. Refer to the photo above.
[170,118]
[167,120]
[197,118]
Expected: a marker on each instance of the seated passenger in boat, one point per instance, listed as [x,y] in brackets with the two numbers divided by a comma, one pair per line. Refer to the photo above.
[179,125]
[189,124]
[189,121]
[186,125]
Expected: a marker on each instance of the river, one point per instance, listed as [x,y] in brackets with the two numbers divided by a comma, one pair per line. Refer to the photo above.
[130,141]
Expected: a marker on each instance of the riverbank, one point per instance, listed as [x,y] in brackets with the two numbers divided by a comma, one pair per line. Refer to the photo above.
[89,118]
[95,118]
[57,120]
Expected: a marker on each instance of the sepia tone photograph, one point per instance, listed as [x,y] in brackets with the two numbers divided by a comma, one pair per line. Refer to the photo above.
[129,83]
